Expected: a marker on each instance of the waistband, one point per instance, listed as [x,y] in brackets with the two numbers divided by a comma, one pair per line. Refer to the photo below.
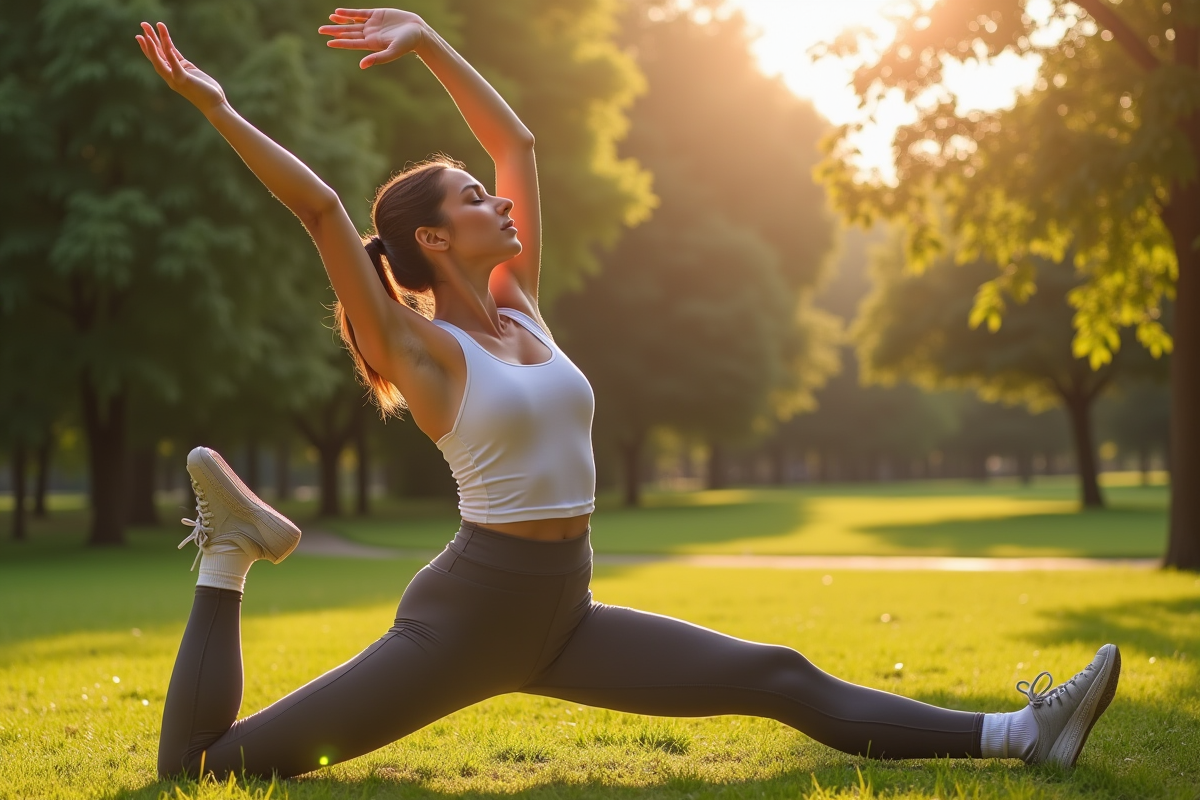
[518,554]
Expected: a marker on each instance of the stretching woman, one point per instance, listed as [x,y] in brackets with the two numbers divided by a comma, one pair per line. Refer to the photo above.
[506,606]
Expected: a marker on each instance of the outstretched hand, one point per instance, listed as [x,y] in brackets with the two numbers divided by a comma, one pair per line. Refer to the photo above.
[180,74]
[388,32]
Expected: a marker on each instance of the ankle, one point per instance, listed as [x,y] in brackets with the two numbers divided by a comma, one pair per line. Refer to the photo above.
[225,570]
[1008,735]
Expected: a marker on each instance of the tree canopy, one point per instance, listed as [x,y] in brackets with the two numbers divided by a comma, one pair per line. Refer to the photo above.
[915,327]
[700,318]
[1096,163]
[162,270]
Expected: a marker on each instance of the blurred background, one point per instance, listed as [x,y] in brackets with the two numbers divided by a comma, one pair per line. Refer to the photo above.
[790,243]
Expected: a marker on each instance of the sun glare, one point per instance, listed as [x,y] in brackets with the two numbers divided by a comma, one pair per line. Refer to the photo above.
[789,29]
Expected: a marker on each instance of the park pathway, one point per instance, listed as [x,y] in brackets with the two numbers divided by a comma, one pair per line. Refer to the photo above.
[316,542]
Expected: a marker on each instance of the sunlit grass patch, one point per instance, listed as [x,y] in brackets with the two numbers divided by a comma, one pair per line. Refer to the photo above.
[73,623]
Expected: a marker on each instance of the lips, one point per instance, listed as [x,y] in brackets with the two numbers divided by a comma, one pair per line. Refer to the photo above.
[507,225]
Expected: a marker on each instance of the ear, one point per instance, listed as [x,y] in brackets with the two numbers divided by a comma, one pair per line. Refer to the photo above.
[432,238]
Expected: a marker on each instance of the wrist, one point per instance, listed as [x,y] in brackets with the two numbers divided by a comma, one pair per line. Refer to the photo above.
[217,111]
[431,43]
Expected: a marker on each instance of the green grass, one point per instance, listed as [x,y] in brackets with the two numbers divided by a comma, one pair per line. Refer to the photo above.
[72,618]
[941,518]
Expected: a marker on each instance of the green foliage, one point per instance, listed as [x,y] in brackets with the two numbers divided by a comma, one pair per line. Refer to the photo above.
[925,328]
[700,319]
[572,85]
[140,257]
[1093,164]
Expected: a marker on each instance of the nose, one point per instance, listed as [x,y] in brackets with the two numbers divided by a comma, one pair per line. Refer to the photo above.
[504,205]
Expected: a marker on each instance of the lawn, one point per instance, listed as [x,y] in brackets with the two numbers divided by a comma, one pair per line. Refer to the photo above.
[87,639]
[935,518]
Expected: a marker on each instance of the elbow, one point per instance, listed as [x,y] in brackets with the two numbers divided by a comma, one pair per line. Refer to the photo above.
[522,139]
[325,203]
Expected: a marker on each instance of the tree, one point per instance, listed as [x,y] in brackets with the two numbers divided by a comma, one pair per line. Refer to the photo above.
[1098,160]
[1136,418]
[854,429]
[986,429]
[133,226]
[698,320]
[915,327]
[165,266]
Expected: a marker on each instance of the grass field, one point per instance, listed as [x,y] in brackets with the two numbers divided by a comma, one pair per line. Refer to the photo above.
[87,639]
[944,518]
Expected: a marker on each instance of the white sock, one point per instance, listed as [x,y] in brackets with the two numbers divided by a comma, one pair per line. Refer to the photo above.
[1010,735]
[223,565]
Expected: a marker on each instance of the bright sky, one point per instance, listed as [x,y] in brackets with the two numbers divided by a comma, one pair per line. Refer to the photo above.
[788,28]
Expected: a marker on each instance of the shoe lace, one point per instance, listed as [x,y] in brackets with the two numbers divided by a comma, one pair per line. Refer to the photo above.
[202,525]
[1050,693]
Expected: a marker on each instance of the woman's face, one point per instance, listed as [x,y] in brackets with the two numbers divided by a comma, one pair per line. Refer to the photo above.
[479,227]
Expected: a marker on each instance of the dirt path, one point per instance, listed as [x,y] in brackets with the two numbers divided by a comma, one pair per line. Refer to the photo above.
[324,544]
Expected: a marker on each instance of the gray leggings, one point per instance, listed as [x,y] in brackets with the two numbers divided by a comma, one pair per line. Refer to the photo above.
[495,613]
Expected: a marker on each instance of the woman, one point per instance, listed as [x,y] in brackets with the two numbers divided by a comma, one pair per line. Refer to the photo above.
[506,606]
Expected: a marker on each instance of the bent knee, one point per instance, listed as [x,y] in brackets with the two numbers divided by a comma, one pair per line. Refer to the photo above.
[782,667]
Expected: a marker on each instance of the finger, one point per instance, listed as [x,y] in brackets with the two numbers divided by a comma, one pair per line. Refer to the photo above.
[154,51]
[151,37]
[168,43]
[345,20]
[358,14]
[341,31]
[349,44]
[174,57]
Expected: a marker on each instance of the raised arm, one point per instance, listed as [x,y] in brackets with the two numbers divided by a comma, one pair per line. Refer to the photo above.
[393,338]
[389,34]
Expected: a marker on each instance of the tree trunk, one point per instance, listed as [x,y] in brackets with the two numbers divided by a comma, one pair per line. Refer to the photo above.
[41,477]
[778,456]
[1079,411]
[104,430]
[362,474]
[18,489]
[335,424]
[252,477]
[718,473]
[283,469]
[1182,218]
[1025,468]
[978,466]
[330,502]
[140,484]
[631,469]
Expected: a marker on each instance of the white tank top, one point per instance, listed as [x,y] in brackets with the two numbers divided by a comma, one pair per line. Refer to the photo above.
[521,446]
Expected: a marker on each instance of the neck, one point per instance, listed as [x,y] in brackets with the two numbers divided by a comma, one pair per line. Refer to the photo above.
[464,300]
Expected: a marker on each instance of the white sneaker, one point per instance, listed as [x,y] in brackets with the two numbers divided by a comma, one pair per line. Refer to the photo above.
[227,511]
[1065,714]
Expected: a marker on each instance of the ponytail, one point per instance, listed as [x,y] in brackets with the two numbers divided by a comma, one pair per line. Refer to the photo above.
[410,200]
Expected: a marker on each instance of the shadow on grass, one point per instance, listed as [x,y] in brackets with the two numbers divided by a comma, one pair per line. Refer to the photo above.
[1111,532]
[1161,628]
[828,775]
[147,584]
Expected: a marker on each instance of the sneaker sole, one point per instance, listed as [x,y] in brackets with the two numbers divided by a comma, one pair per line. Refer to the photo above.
[278,535]
[1093,705]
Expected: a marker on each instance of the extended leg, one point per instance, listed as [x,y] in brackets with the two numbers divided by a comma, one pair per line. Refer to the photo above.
[644,663]
[427,666]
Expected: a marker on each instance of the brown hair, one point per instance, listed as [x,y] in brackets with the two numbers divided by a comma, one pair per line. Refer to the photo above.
[411,199]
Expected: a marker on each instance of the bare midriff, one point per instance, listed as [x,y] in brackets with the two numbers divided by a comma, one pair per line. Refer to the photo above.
[544,529]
